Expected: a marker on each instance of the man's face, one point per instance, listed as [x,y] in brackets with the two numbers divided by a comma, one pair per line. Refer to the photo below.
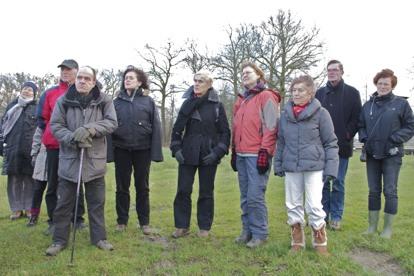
[68,74]
[334,73]
[85,80]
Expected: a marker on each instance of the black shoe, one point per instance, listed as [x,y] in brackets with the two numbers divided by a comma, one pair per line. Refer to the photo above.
[32,221]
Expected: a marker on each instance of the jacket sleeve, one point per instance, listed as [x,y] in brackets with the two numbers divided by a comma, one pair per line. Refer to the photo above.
[59,127]
[270,118]
[43,111]
[278,159]
[235,109]
[329,143]
[406,131]
[362,130]
[352,124]
[37,141]
[223,131]
[178,129]
[156,140]
[109,122]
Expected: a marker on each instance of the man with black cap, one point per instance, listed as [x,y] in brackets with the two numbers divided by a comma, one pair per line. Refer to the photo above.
[68,71]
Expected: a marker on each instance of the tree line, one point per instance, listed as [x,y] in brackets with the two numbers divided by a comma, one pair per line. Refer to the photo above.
[281,45]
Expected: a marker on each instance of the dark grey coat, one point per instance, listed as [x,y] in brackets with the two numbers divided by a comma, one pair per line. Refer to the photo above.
[306,143]
[67,116]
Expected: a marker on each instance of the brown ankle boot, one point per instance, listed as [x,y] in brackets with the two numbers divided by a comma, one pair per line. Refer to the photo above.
[298,238]
[320,241]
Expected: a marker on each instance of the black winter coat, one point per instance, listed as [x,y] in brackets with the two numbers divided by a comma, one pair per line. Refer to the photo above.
[395,125]
[139,126]
[201,128]
[18,143]
[343,103]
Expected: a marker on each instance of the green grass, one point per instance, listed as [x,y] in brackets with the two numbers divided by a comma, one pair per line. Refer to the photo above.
[22,248]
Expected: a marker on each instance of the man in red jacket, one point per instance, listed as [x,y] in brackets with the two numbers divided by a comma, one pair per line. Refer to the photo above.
[68,71]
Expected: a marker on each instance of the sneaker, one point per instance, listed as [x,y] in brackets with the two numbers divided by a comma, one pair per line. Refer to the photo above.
[243,238]
[146,230]
[32,221]
[104,245]
[16,215]
[203,233]
[335,225]
[180,232]
[54,249]
[80,226]
[120,227]
[253,243]
[50,230]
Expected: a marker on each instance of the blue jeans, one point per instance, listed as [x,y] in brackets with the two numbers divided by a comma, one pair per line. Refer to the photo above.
[252,197]
[333,200]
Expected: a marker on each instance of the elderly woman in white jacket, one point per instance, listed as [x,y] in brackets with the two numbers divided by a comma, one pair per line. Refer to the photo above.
[307,154]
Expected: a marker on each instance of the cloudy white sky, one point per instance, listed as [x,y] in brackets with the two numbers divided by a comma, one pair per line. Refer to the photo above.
[36,35]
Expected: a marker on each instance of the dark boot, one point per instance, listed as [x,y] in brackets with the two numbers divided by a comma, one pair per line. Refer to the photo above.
[32,221]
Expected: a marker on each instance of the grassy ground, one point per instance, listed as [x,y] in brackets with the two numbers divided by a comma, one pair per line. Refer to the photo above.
[23,248]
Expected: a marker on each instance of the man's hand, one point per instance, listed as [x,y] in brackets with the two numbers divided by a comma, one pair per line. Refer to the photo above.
[179,157]
[80,134]
[210,159]
[85,143]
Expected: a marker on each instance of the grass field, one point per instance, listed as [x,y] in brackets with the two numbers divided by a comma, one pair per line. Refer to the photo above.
[22,248]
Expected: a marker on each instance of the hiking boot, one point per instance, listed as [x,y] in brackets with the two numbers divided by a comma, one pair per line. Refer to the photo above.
[16,215]
[104,245]
[243,238]
[203,233]
[253,243]
[80,226]
[320,241]
[32,221]
[298,238]
[335,225]
[120,228]
[50,230]
[146,230]
[180,232]
[54,249]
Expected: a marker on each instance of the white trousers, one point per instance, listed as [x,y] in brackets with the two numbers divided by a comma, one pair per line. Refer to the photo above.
[310,184]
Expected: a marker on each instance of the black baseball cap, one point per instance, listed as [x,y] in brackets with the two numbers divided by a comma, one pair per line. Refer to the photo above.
[69,63]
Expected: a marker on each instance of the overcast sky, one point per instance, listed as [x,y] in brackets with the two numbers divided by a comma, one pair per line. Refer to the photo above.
[366,36]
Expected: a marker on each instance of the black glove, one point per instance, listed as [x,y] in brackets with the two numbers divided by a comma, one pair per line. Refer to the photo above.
[80,134]
[262,161]
[233,160]
[179,157]
[328,178]
[280,174]
[34,160]
[210,159]
[85,143]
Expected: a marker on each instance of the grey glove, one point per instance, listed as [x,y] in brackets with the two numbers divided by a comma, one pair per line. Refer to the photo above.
[85,143]
[80,134]
[210,159]
[179,156]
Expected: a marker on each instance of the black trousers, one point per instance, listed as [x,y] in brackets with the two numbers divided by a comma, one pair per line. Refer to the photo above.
[125,161]
[95,199]
[52,185]
[38,190]
[205,202]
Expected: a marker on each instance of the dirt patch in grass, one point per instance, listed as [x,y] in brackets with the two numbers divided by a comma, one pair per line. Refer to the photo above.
[163,241]
[380,263]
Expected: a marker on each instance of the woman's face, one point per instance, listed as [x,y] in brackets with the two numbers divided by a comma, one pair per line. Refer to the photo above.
[27,92]
[249,77]
[301,94]
[384,86]
[131,81]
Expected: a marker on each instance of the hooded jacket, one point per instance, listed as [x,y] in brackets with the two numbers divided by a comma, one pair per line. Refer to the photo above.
[308,142]
[395,125]
[68,115]
[255,120]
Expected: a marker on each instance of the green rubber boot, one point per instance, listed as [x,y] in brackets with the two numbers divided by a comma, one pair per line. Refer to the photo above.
[373,217]
[387,231]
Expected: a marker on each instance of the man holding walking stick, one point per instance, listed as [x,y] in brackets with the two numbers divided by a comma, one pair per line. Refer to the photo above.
[80,121]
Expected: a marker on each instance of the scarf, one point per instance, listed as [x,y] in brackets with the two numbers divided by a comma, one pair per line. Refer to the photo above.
[297,109]
[13,114]
[259,87]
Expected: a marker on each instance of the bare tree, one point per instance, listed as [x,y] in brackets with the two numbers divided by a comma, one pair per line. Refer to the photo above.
[194,59]
[111,81]
[161,63]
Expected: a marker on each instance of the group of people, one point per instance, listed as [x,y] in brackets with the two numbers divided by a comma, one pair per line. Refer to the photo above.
[309,142]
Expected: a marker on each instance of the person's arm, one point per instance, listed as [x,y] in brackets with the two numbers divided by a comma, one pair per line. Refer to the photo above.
[58,125]
[270,118]
[406,130]
[329,143]
[156,140]
[109,122]
[355,109]
[223,131]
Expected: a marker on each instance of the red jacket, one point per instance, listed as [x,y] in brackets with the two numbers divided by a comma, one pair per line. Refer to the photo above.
[255,121]
[44,111]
